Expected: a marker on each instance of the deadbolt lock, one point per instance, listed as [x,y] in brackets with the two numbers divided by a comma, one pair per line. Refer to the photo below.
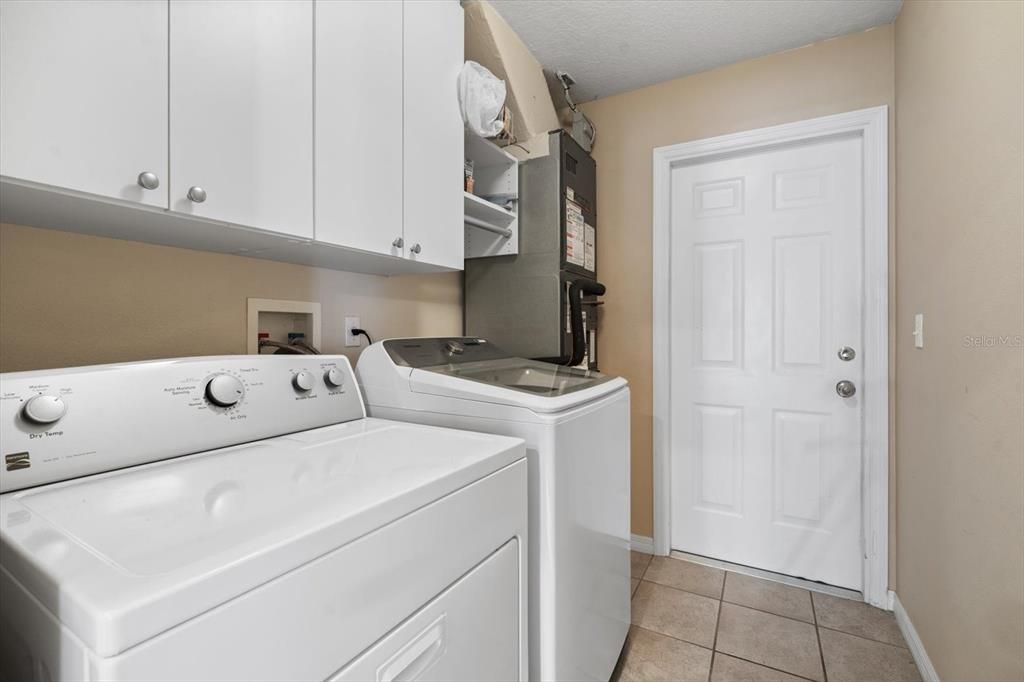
[846,354]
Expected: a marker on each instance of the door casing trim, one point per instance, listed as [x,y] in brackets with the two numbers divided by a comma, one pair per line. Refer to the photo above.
[871,125]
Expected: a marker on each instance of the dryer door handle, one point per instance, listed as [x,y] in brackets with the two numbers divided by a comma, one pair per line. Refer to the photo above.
[416,656]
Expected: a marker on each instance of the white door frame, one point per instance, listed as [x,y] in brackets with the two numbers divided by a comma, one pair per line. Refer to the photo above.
[872,126]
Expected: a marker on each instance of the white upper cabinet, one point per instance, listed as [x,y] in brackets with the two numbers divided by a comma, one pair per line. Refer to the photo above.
[359,124]
[433,132]
[389,135]
[261,115]
[83,96]
[241,103]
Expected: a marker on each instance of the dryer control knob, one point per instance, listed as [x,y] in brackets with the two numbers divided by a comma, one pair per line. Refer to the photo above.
[224,390]
[334,377]
[44,409]
[303,381]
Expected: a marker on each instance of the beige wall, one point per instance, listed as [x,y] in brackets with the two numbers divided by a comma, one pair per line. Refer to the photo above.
[960,261]
[491,42]
[69,299]
[844,74]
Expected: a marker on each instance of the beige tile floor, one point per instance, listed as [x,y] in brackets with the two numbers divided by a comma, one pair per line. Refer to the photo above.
[693,622]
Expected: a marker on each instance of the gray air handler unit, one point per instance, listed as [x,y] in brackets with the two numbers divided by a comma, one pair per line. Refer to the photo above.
[542,302]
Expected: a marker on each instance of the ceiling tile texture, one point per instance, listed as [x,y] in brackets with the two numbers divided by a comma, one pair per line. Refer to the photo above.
[611,46]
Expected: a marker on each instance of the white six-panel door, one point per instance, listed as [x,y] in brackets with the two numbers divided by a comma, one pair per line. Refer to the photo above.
[766,272]
[83,95]
[241,103]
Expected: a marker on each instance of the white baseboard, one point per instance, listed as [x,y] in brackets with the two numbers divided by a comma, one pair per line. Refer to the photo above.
[924,664]
[642,543]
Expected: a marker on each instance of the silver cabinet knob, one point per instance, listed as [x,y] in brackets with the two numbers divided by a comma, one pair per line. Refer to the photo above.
[197,194]
[148,180]
[846,354]
[415,248]
[398,243]
[846,389]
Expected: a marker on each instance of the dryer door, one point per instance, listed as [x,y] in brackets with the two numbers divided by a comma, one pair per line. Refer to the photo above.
[471,631]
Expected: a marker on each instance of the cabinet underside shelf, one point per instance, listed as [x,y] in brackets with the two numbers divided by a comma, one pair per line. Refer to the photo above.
[35,205]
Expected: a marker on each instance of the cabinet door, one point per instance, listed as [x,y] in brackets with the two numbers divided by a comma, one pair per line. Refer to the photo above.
[83,95]
[432,132]
[242,112]
[359,123]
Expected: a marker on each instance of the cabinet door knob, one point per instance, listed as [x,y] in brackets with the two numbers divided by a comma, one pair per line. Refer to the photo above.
[398,243]
[197,194]
[415,248]
[148,180]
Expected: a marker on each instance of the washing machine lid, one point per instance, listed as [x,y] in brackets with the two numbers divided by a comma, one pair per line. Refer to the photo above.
[123,556]
[473,368]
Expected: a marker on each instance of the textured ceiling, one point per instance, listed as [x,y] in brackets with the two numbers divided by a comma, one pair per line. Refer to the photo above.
[610,46]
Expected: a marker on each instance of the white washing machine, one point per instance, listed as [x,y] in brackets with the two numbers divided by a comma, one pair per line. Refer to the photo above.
[576,426]
[304,541]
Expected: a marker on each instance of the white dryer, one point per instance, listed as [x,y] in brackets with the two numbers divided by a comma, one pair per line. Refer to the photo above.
[304,541]
[576,426]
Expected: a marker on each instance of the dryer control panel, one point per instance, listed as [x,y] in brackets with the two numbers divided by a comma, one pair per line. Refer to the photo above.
[65,423]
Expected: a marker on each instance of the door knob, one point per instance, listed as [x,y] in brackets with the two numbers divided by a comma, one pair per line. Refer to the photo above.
[148,180]
[846,389]
[846,354]
[415,248]
[197,194]
[398,243]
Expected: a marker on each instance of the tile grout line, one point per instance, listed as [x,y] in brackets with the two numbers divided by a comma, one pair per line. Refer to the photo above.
[742,606]
[724,653]
[662,634]
[778,670]
[770,613]
[718,626]
[718,618]
[866,639]
[714,640]
[817,636]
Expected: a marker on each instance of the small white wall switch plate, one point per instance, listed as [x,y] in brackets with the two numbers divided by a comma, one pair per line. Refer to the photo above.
[350,324]
[919,330]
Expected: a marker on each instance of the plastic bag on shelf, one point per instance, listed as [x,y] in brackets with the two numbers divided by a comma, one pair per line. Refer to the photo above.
[481,98]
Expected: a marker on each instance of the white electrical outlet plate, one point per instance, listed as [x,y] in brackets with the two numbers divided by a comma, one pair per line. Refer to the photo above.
[919,330]
[351,339]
